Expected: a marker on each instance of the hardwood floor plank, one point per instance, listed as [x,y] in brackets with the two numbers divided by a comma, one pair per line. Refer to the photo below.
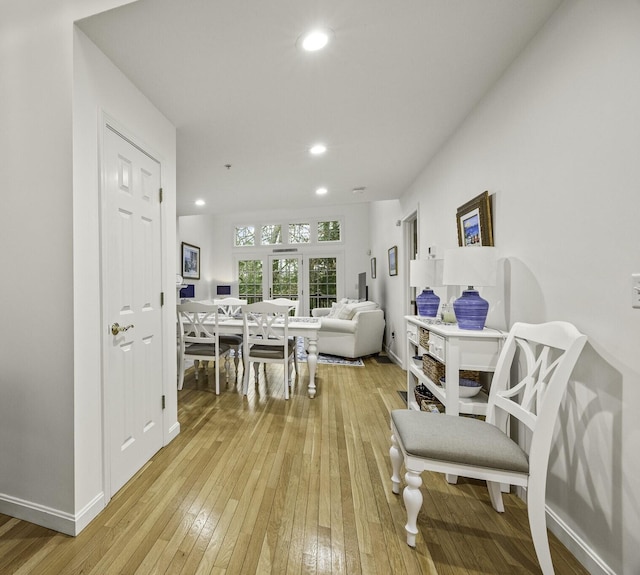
[257,484]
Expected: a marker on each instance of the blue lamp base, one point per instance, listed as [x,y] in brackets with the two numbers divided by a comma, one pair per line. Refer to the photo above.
[471,310]
[427,303]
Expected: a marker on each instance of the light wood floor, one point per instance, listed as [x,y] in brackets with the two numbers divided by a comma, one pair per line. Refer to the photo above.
[260,485]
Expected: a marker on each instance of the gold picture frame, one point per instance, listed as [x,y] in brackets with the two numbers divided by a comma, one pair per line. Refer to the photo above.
[475,227]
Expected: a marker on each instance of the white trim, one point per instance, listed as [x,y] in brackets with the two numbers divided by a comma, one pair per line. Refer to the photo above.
[61,521]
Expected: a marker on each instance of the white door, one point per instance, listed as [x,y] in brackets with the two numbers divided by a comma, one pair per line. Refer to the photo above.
[285,278]
[132,257]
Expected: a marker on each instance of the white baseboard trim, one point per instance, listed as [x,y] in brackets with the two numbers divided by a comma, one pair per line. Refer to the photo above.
[576,545]
[60,521]
[173,432]
[393,356]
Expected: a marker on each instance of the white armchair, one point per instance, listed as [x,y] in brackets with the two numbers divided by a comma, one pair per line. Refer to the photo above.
[353,330]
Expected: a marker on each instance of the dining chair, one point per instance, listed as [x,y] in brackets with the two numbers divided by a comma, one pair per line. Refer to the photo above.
[266,340]
[294,311]
[228,308]
[198,339]
[469,447]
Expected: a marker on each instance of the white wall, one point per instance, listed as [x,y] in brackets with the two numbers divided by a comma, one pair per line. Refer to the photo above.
[48,393]
[556,142]
[214,235]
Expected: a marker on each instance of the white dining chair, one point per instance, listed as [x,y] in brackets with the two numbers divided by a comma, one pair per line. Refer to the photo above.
[228,308]
[266,340]
[468,447]
[294,311]
[198,339]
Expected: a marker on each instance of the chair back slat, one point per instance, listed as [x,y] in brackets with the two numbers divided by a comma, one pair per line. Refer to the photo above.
[260,320]
[292,304]
[229,307]
[197,322]
[542,357]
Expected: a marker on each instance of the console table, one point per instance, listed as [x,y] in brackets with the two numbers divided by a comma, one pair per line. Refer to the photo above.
[457,349]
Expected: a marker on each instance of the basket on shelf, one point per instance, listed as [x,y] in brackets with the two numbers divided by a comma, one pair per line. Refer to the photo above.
[424,338]
[435,370]
[422,393]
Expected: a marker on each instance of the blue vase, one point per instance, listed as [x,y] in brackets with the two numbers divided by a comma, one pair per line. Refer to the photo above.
[471,310]
[427,303]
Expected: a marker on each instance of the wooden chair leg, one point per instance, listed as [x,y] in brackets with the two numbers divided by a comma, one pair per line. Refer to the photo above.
[538,523]
[413,502]
[495,494]
[396,463]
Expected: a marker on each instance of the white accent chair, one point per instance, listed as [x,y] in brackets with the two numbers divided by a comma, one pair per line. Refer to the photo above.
[483,449]
[198,339]
[230,307]
[266,340]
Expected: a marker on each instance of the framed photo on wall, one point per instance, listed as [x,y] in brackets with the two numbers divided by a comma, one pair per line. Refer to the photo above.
[474,222]
[393,261]
[373,268]
[190,261]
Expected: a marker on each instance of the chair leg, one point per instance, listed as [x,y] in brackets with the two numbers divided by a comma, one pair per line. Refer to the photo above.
[196,367]
[236,358]
[181,374]
[256,370]
[216,369]
[538,523]
[245,378]
[287,375]
[396,461]
[413,502]
[495,494]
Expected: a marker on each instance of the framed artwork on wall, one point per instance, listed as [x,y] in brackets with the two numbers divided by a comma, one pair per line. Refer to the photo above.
[190,261]
[393,261]
[475,227]
[373,268]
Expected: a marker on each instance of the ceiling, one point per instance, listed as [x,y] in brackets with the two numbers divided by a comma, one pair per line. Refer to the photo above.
[394,83]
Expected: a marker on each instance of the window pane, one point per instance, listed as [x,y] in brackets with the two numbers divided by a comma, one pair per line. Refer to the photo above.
[299,233]
[284,278]
[322,282]
[271,234]
[329,231]
[245,236]
[250,280]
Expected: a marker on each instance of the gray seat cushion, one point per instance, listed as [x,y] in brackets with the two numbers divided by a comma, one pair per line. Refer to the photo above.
[204,349]
[457,439]
[230,339]
[270,352]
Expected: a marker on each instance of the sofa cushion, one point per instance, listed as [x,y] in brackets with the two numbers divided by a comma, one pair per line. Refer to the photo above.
[337,325]
[350,310]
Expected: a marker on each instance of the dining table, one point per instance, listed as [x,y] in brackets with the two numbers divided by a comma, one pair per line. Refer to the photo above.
[298,326]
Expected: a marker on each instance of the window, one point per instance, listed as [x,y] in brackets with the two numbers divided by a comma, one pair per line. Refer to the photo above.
[322,282]
[250,280]
[299,233]
[329,231]
[245,236]
[271,235]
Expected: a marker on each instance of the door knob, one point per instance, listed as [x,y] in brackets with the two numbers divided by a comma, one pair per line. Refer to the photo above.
[116,328]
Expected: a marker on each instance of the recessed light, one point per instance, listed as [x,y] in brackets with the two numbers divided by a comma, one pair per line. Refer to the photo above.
[321,191]
[317,149]
[200,202]
[315,40]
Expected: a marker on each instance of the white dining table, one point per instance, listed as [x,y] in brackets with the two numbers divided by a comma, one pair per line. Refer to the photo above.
[299,326]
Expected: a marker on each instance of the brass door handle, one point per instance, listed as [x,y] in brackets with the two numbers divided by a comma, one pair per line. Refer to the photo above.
[116,329]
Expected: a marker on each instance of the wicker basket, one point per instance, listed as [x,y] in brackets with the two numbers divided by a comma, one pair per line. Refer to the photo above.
[435,370]
[424,338]
[423,396]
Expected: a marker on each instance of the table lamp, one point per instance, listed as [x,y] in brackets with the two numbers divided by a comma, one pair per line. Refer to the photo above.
[424,274]
[470,266]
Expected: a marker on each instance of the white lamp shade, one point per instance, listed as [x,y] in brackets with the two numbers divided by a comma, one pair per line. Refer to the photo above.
[425,273]
[470,266]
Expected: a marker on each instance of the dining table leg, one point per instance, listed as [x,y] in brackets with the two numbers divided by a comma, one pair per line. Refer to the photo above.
[312,362]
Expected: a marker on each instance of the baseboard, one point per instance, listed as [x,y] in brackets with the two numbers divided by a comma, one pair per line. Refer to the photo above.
[587,557]
[393,356]
[60,521]
[173,432]
[576,545]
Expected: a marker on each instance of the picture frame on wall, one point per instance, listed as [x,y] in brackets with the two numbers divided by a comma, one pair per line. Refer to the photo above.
[190,261]
[393,261]
[475,227]
[373,268]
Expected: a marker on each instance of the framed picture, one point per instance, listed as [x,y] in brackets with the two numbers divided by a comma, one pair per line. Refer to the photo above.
[393,261]
[190,261]
[474,222]
[373,268]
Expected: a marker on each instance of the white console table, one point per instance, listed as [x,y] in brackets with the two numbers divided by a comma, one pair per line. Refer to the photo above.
[457,349]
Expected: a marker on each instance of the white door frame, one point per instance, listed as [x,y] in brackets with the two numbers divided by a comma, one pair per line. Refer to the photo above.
[107,122]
